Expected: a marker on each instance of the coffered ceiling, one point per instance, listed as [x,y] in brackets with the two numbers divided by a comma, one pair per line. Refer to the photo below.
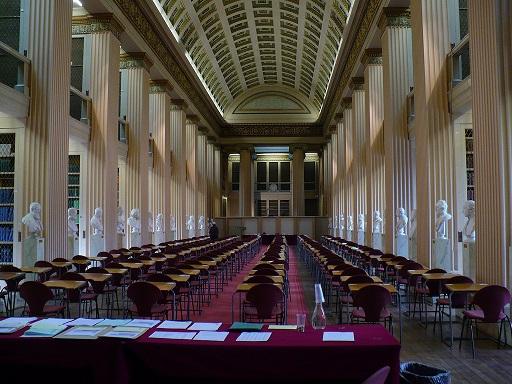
[238,47]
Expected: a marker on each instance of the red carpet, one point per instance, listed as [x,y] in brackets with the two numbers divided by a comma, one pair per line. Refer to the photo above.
[219,309]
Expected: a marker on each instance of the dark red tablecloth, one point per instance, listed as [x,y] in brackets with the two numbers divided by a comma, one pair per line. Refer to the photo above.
[288,356]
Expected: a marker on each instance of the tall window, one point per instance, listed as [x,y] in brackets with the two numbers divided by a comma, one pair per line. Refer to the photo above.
[235,176]
[309,176]
[273,176]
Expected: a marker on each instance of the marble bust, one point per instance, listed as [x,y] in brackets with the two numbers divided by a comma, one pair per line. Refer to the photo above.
[134,220]
[72,225]
[190,224]
[469,226]
[120,220]
[360,222]
[377,222]
[173,223]
[401,222]
[335,222]
[442,218]
[350,223]
[151,225]
[342,222]
[200,222]
[159,223]
[32,220]
[97,221]
[412,225]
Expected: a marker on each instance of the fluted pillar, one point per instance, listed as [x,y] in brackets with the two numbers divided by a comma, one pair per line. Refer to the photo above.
[360,149]
[45,147]
[191,169]
[245,193]
[372,60]
[136,66]
[210,178]
[217,189]
[328,179]
[348,206]
[491,82]
[334,180]
[434,135]
[178,166]
[298,180]
[160,127]
[396,41]
[342,169]
[104,92]
[201,174]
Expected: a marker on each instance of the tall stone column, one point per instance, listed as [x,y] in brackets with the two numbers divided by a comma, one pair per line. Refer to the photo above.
[432,126]
[396,41]
[178,166]
[372,60]
[201,174]
[245,193]
[348,206]
[360,148]
[298,180]
[491,82]
[328,178]
[191,173]
[217,177]
[160,126]
[210,178]
[136,65]
[334,180]
[342,172]
[45,147]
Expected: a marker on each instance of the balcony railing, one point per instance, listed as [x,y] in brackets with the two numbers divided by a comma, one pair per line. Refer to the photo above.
[80,106]
[461,67]
[273,187]
[15,69]
[122,131]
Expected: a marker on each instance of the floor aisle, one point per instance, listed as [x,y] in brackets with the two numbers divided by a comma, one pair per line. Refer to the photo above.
[296,304]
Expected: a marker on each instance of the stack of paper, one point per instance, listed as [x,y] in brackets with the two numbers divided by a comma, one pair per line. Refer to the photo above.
[44,330]
[239,326]
[12,324]
[211,336]
[113,322]
[142,323]
[86,322]
[82,332]
[338,336]
[125,332]
[173,335]
[254,336]
[289,327]
[205,326]
[51,322]
[169,324]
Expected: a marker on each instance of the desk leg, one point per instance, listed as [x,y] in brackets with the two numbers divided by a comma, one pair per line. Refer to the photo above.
[400,315]
[450,314]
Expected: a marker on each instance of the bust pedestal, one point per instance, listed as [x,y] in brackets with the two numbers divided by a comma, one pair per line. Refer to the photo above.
[158,237]
[191,233]
[201,232]
[121,240]
[72,247]
[413,248]
[33,250]
[360,237]
[173,235]
[377,241]
[442,254]
[135,239]
[402,246]
[97,244]
[468,257]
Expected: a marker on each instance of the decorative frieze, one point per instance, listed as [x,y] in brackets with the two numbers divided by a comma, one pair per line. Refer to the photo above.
[160,86]
[135,60]
[399,17]
[372,56]
[96,23]
[357,83]
[274,130]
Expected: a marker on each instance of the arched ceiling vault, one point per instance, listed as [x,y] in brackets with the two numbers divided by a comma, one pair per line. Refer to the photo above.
[238,45]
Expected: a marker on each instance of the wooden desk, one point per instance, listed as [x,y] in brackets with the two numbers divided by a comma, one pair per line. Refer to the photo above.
[65,284]
[163,286]
[191,272]
[98,258]
[61,264]
[201,267]
[132,265]
[179,278]
[376,279]
[37,270]
[117,271]
[275,279]
[208,263]
[9,276]
[244,287]
[97,277]
[280,272]
[148,263]
[438,276]
[416,272]
[158,258]
[81,261]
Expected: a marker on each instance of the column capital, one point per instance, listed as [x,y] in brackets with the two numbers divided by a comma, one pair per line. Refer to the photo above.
[346,103]
[372,56]
[160,86]
[357,83]
[298,147]
[211,140]
[395,17]
[96,23]
[339,116]
[135,60]
[192,119]
[178,105]
[203,130]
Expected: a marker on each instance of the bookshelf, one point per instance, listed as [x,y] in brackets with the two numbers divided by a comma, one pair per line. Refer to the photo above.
[74,182]
[7,162]
[470,170]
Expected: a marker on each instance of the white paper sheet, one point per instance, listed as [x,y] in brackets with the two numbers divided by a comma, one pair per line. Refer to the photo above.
[125,332]
[44,331]
[51,321]
[85,331]
[113,322]
[211,336]
[4,330]
[288,327]
[204,326]
[173,335]
[87,322]
[168,324]
[338,336]
[254,336]
[141,323]
[16,322]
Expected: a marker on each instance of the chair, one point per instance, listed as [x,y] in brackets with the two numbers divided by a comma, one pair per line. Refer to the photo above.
[345,298]
[61,270]
[80,267]
[266,272]
[145,297]
[45,264]
[491,302]
[259,280]
[264,266]
[264,301]
[458,300]
[378,377]
[36,295]
[372,302]
[104,288]
[75,296]
[10,289]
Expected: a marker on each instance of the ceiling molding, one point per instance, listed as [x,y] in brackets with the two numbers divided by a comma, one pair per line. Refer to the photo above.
[273,130]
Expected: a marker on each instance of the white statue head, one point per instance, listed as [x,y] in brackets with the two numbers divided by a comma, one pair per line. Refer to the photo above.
[376,216]
[98,212]
[72,213]
[35,209]
[400,212]
[135,213]
[441,207]
[469,209]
